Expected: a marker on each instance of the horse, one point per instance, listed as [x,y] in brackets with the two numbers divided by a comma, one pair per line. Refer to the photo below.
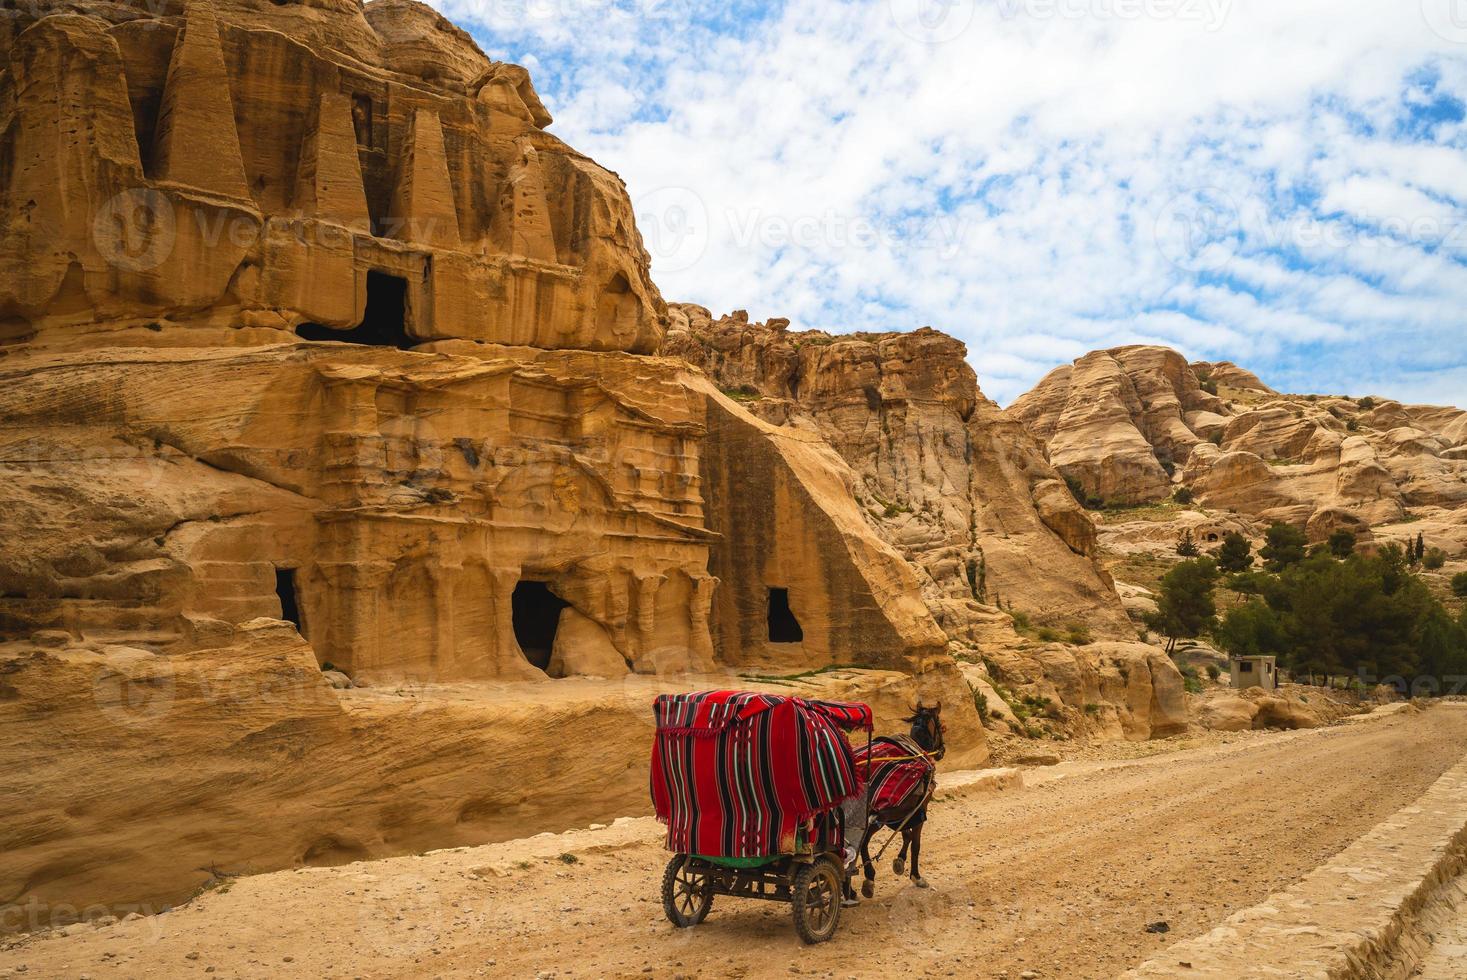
[910,814]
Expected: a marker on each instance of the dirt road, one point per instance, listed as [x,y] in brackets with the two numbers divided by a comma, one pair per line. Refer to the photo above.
[1059,879]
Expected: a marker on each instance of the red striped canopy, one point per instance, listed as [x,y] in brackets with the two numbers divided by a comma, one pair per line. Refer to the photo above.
[736,774]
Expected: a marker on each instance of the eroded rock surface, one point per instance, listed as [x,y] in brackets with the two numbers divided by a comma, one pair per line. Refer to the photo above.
[956,485]
[1131,425]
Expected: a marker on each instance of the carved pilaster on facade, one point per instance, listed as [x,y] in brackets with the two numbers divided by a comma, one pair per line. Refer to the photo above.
[353,637]
[197,138]
[510,662]
[423,209]
[644,621]
[329,182]
[700,636]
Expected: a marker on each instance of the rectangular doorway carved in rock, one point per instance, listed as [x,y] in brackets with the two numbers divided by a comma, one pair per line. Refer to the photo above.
[783,626]
[290,609]
[385,322]
[536,619]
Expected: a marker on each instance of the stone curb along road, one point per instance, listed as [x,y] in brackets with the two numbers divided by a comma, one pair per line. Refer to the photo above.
[1356,916]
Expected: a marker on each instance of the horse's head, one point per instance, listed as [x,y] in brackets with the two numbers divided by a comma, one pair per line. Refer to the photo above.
[927,728]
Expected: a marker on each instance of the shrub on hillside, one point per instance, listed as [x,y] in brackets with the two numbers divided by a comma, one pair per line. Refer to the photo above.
[1236,553]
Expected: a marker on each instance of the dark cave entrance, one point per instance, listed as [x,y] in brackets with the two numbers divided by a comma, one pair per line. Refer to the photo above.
[385,322]
[290,609]
[536,618]
[783,626]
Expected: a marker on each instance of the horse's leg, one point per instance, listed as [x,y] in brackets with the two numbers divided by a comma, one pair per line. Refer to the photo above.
[917,878]
[900,864]
[868,872]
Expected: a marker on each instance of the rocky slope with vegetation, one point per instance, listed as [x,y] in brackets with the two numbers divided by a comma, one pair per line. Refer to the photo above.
[1006,556]
[1133,425]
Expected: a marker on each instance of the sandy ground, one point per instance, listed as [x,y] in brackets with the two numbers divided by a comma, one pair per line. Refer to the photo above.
[1059,879]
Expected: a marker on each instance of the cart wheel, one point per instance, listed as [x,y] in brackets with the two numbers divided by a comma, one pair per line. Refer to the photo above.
[815,900]
[687,895]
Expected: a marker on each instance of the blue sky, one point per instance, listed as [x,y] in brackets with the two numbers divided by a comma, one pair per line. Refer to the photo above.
[1275,182]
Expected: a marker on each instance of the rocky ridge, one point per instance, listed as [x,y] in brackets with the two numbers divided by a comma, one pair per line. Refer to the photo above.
[1004,553]
[1131,425]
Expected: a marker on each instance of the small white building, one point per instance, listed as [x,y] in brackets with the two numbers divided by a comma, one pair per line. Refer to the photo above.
[1255,672]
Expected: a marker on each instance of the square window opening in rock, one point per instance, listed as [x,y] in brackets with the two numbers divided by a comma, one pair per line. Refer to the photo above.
[783,626]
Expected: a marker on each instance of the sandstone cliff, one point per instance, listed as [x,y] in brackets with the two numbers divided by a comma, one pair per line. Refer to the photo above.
[332,411]
[1004,553]
[956,485]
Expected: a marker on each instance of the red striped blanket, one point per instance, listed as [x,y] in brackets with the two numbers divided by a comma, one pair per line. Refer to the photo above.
[894,773]
[737,774]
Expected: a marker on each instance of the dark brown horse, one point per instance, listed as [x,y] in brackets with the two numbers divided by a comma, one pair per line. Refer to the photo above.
[910,814]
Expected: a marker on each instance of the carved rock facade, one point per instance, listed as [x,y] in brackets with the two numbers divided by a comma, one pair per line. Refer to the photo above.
[496,455]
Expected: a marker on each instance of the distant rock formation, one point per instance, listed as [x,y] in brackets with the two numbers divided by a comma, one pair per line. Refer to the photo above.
[1131,425]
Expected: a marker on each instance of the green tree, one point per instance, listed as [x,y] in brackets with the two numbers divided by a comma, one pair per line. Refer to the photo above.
[1342,543]
[1183,496]
[1434,560]
[1285,546]
[1443,645]
[1185,608]
[1236,553]
[1459,586]
[1187,547]
[1250,630]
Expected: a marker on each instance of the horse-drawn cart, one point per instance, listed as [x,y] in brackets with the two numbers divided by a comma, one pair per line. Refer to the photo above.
[750,787]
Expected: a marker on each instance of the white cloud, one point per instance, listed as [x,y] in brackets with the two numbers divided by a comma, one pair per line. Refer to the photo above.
[1015,184]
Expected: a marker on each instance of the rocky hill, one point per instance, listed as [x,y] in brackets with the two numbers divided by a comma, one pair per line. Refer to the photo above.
[1007,559]
[1131,425]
